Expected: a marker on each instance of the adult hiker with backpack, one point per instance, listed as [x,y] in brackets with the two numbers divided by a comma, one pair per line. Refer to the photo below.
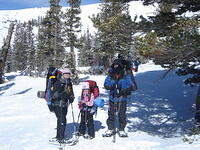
[62,95]
[90,92]
[119,85]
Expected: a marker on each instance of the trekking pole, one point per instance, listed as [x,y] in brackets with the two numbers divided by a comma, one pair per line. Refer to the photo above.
[61,118]
[86,121]
[115,122]
[115,118]
[78,117]
[75,127]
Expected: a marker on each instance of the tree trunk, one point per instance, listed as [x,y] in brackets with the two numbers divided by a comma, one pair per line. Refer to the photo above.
[4,51]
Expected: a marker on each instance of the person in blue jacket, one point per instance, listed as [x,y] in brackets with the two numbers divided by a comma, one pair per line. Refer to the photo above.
[119,85]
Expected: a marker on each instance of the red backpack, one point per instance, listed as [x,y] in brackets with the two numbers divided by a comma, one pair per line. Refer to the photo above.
[93,87]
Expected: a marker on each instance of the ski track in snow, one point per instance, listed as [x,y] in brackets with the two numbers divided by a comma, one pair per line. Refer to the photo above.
[159,114]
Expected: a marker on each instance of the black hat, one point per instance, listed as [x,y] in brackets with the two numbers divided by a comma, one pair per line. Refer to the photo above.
[117,69]
[120,56]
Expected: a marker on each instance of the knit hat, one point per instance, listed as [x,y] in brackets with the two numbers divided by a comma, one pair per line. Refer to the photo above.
[86,85]
[66,71]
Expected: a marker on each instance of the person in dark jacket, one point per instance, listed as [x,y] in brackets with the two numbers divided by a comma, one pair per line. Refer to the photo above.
[120,86]
[136,64]
[62,95]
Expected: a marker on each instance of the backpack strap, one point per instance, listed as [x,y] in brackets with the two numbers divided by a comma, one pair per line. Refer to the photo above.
[52,77]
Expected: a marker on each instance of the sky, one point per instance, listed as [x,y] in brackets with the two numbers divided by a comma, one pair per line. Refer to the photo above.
[22,4]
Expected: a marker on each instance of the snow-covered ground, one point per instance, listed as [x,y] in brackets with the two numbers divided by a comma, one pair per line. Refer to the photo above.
[159,114]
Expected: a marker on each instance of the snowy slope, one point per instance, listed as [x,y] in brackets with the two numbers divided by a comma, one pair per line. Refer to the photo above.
[159,114]
[136,8]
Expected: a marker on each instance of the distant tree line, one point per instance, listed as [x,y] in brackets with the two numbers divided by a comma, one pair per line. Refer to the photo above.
[53,39]
[170,38]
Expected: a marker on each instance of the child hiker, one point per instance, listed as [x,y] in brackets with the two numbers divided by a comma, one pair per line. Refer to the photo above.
[90,91]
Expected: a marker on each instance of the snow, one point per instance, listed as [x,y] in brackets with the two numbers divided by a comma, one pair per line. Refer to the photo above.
[159,114]
[86,11]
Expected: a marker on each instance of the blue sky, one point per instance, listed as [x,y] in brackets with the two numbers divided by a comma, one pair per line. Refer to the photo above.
[21,4]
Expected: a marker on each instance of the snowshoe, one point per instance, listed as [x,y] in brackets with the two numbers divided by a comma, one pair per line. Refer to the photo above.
[53,140]
[56,141]
[63,142]
[122,134]
[71,142]
[59,143]
[108,133]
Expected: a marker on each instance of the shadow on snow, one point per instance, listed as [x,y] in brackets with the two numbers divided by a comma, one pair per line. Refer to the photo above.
[70,128]
[84,78]
[11,77]
[161,107]
[7,86]
[23,92]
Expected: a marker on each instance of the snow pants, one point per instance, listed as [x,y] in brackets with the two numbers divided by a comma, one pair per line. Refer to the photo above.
[87,122]
[61,113]
[120,109]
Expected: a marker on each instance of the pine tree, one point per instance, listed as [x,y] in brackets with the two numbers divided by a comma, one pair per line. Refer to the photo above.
[86,56]
[31,50]
[115,30]
[23,51]
[50,40]
[172,40]
[4,51]
[71,30]
[20,47]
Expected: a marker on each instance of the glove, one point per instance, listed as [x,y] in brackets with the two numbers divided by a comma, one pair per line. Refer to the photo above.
[51,107]
[81,105]
[68,82]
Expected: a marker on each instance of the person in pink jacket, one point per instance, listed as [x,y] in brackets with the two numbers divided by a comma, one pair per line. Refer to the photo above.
[88,109]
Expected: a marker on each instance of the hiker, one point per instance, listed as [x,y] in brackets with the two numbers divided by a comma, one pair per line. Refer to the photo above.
[136,64]
[90,92]
[62,95]
[120,86]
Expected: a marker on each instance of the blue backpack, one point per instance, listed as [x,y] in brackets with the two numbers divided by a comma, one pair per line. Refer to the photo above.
[51,78]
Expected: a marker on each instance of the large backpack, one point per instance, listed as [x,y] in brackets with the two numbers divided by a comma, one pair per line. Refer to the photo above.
[98,102]
[93,87]
[51,78]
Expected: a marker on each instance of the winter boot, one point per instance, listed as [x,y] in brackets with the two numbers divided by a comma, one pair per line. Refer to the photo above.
[86,136]
[108,133]
[122,134]
[62,141]
[80,134]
